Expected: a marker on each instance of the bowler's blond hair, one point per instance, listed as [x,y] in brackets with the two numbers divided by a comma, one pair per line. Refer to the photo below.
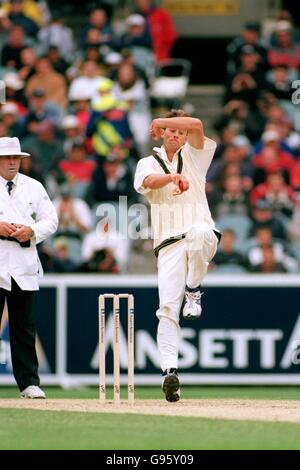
[177,113]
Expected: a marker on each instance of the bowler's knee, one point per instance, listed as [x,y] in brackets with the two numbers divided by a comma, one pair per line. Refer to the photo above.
[199,231]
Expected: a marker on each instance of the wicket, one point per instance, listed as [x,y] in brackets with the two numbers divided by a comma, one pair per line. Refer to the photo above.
[116,346]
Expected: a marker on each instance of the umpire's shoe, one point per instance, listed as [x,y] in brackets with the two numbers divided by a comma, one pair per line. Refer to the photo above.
[33,391]
[171,385]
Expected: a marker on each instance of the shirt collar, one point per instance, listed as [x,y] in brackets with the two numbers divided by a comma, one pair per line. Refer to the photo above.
[4,181]
[163,154]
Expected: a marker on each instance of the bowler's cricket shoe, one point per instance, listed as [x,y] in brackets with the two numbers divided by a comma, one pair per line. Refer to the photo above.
[33,391]
[192,308]
[171,385]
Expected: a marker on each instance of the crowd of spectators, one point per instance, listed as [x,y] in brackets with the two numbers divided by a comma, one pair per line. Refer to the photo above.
[253,183]
[80,103]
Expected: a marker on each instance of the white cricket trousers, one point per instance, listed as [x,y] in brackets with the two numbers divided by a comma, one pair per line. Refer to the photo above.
[182,264]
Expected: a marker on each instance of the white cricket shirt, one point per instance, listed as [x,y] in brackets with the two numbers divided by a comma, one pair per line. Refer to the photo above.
[172,216]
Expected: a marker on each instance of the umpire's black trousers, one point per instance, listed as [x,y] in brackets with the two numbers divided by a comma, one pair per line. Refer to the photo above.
[22,334]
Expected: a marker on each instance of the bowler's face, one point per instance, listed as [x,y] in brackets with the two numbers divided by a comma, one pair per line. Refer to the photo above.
[173,139]
[9,166]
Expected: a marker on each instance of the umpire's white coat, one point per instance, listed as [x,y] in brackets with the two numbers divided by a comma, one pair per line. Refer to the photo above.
[28,205]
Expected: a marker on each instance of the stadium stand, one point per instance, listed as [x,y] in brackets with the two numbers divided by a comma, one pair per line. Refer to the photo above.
[79,88]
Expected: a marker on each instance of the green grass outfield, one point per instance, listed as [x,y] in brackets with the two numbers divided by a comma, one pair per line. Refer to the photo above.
[32,429]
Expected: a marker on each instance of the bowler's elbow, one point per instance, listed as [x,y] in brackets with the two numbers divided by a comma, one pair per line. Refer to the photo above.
[197,125]
[148,181]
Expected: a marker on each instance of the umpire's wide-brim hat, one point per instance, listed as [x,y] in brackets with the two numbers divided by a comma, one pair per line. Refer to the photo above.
[10,146]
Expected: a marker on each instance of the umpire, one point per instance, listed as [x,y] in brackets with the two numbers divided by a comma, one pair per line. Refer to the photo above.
[27,217]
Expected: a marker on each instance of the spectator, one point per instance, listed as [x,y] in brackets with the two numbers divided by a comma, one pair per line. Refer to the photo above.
[138,41]
[131,89]
[71,130]
[108,124]
[74,215]
[98,20]
[14,92]
[280,195]
[77,169]
[87,83]
[226,253]
[112,178]
[11,52]
[93,53]
[244,121]
[161,27]
[275,114]
[280,84]
[93,38]
[80,108]
[28,62]
[215,184]
[106,236]
[112,62]
[290,139]
[271,156]
[128,58]
[136,34]
[249,79]
[250,37]
[284,15]
[39,110]
[263,239]
[59,35]
[262,216]
[287,52]
[45,147]
[232,200]
[277,117]
[95,41]
[233,162]
[61,262]
[37,11]
[31,168]
[269,265]
[102,261]
[17,17]
[226,137]
[51,82]
[9,114]
[59,64]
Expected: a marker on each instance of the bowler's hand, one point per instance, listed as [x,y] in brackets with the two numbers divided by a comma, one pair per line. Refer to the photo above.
[155,132]
[6,229]
[22,233]
[181,182]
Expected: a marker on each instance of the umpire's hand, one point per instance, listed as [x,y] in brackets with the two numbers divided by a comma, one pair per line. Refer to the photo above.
[22,233]
[6,229]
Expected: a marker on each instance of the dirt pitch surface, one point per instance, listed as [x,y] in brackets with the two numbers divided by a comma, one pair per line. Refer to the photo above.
[254,410]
